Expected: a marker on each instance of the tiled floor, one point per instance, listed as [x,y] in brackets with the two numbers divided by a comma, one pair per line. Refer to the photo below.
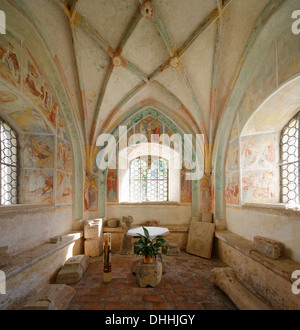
[185,285]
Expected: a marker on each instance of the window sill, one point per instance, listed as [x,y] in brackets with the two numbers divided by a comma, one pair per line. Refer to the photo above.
[275,208]
[24,208]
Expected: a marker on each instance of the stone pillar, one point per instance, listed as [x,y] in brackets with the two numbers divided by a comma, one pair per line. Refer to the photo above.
[93,243]
[127,243]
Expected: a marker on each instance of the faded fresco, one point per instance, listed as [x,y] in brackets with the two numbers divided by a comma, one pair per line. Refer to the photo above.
[151,126]
[37,187]
[91,199]
[259,186]
[205,194]
[64,188]
[10,59]
[38,151]
[36,88]
[232,190]
[232,161]
[258,151]
[61,128]
[186,187]
[64,156]
[112,186]
[29,120]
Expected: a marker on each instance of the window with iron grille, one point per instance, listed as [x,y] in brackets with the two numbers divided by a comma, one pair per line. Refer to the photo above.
[8,165]
[289,163]
[148,180]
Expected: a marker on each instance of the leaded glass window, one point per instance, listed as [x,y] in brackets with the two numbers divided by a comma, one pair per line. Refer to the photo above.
[148,179]
[8,165]
[289,164]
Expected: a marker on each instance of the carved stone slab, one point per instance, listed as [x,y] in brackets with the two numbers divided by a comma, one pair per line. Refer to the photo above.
[51,297]
[200,239]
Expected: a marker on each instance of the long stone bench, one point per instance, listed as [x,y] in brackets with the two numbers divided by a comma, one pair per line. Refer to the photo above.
[28,272]
[270,279]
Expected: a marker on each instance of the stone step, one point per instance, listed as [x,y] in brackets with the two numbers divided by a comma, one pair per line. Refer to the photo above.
[227,281]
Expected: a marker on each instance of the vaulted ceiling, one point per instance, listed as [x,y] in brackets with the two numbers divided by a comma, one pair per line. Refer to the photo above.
[179,55]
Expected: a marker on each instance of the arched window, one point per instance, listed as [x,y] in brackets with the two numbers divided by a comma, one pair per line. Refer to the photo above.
[289,161]
[149,179]
[8,165]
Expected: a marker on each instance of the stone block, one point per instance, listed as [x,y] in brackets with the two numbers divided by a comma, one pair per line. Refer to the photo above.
[113,223]
[226,280]
[195,219]
[92,229]
[148,274]
[92,247]
[207,217]
[173,249]
[55,239]
[268,247]
[73,270]
[51,297]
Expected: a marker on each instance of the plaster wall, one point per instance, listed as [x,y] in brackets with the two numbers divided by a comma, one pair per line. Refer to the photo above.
[167,214]
[269,221]
[26,226]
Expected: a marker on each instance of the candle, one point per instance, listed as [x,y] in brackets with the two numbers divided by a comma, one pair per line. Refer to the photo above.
[107,257]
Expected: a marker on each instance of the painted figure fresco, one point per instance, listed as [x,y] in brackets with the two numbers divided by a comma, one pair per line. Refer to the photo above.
[64,188]
[29,120]
[205,198]
[93,194]
[258,152]
[38,186]
[39,151]
[232,161]
[10,54]
[64,156]
[259,187]
[186,187]
[37,89]
[112,182]
[232,191]
[61,128]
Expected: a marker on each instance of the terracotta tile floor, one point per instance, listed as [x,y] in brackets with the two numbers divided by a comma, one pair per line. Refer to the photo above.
[185,285]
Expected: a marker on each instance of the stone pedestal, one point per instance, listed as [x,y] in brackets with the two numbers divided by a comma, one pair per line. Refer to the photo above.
[93,237]
[148,274]
[127,243]
[173,249]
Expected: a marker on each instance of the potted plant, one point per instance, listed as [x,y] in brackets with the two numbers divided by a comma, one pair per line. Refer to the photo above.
[149,249]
